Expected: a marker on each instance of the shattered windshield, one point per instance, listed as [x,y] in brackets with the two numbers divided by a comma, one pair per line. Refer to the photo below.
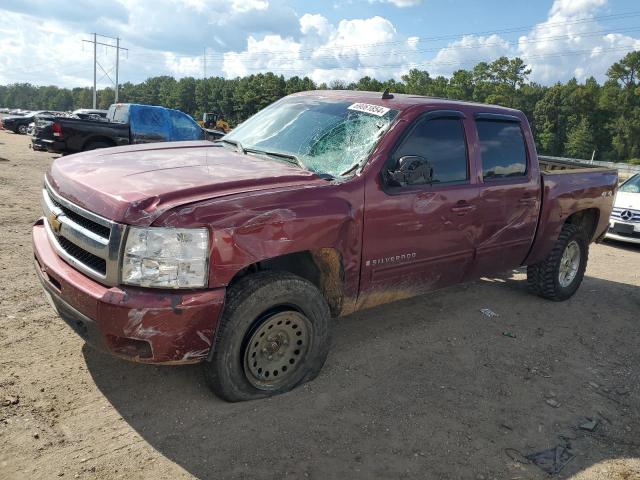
[324,135]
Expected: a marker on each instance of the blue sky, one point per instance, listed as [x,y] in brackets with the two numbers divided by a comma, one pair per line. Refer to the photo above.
[41,41]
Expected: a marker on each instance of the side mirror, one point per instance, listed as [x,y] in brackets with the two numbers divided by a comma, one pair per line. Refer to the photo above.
[411,170]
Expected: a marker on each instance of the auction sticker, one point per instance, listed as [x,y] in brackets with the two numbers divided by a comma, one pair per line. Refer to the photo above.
[368,108]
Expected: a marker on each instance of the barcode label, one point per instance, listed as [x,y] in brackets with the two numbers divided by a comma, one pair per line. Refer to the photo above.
[368,108]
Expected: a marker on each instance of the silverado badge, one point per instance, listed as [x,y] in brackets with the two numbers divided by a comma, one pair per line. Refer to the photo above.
[54,222]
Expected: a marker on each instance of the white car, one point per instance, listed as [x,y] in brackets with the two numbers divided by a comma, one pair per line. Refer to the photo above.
[624,223]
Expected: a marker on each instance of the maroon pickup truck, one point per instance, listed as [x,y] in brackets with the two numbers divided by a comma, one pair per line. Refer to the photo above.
[238,253]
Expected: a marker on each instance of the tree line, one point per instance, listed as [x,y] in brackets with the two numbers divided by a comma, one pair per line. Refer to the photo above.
[570,119]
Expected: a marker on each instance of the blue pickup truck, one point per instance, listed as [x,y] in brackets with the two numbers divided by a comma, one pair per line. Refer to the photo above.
[125,123]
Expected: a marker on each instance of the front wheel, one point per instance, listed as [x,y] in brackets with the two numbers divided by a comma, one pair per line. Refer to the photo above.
[561,273]
[22,129]
[273,336]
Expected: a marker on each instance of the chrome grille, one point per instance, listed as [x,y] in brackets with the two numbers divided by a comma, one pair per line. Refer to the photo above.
[617,213]
[90,225]
[87,241]
[92,261]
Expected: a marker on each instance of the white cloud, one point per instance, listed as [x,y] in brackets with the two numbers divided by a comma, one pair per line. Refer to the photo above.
[315,25]
[184,66]
[167,39]
[574,8]
[243,6]
[325,52]
[467,52]
[548,47]
[561,47]
[273,53]
[400,3]
[250,36]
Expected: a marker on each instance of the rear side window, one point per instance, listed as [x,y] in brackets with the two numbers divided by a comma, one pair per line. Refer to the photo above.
[502,148]
[120,113]
[441,141]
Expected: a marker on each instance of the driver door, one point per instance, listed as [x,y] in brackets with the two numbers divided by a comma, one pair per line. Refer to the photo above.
[420,236]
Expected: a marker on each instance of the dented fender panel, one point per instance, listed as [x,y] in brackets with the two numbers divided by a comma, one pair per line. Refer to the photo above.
[256,226]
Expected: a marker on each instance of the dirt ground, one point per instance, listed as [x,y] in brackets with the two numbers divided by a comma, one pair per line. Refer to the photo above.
[424,388]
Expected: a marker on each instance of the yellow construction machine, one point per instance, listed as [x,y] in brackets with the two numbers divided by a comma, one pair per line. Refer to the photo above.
[212,120]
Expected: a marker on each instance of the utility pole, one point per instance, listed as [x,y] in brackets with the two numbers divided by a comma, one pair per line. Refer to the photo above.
[96,64]
[204,59]
[117,64]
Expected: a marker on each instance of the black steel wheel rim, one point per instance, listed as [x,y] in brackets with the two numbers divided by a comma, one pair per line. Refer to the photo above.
[276,349]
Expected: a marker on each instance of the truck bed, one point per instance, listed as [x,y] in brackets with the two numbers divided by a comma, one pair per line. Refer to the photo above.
[569,187]
[562,165]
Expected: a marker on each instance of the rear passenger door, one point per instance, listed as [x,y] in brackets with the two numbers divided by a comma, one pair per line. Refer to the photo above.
[509,194]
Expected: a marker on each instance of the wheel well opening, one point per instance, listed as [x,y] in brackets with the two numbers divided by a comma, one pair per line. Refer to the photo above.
[586,220]
[322,267]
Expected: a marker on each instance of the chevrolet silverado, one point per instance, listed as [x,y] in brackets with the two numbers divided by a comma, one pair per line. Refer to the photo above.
[239,253]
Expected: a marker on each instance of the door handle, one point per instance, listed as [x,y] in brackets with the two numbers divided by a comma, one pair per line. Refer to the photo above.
[528,201]
[463,208]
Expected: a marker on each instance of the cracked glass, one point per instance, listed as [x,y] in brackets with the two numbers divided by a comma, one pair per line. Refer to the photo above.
[325,135]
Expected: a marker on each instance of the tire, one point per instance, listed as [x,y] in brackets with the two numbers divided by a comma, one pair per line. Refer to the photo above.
[546,279]
[96,145]
[298,342]
[22,129]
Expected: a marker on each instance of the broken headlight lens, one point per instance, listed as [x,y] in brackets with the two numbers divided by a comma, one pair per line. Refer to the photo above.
[166,257]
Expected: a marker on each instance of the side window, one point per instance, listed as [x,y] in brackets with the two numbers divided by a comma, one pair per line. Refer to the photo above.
[120,114]
[441,141]
[502,149]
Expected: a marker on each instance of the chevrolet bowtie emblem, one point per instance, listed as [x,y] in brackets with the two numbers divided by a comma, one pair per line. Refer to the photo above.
[56,224]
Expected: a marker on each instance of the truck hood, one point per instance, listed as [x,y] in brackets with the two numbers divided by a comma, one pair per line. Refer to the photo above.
[135,184]
[627,200]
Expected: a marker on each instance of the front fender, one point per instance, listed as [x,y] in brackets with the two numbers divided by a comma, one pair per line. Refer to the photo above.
[257,226]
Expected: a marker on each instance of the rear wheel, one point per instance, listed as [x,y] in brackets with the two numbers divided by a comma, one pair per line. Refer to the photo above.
[561,273]
[22,129]
[273,336]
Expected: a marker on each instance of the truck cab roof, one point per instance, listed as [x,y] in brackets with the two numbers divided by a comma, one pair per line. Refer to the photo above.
[401,101]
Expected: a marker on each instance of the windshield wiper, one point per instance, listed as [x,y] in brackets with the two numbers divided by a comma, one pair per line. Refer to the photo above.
[291,158]
[235,143]
[351,169]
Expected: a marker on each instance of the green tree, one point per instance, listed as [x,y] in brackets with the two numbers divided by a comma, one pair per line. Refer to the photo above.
[580,140]
[626,70]
[557,113]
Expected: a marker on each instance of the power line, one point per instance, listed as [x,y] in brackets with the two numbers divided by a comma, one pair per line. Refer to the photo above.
[620,16]
[426,64]
[440,49]
[357,55]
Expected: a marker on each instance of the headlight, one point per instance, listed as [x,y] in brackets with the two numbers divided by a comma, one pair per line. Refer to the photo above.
[166,257]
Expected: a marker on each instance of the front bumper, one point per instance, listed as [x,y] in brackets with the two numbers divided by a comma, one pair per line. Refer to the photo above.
[631,236]
[143,325]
